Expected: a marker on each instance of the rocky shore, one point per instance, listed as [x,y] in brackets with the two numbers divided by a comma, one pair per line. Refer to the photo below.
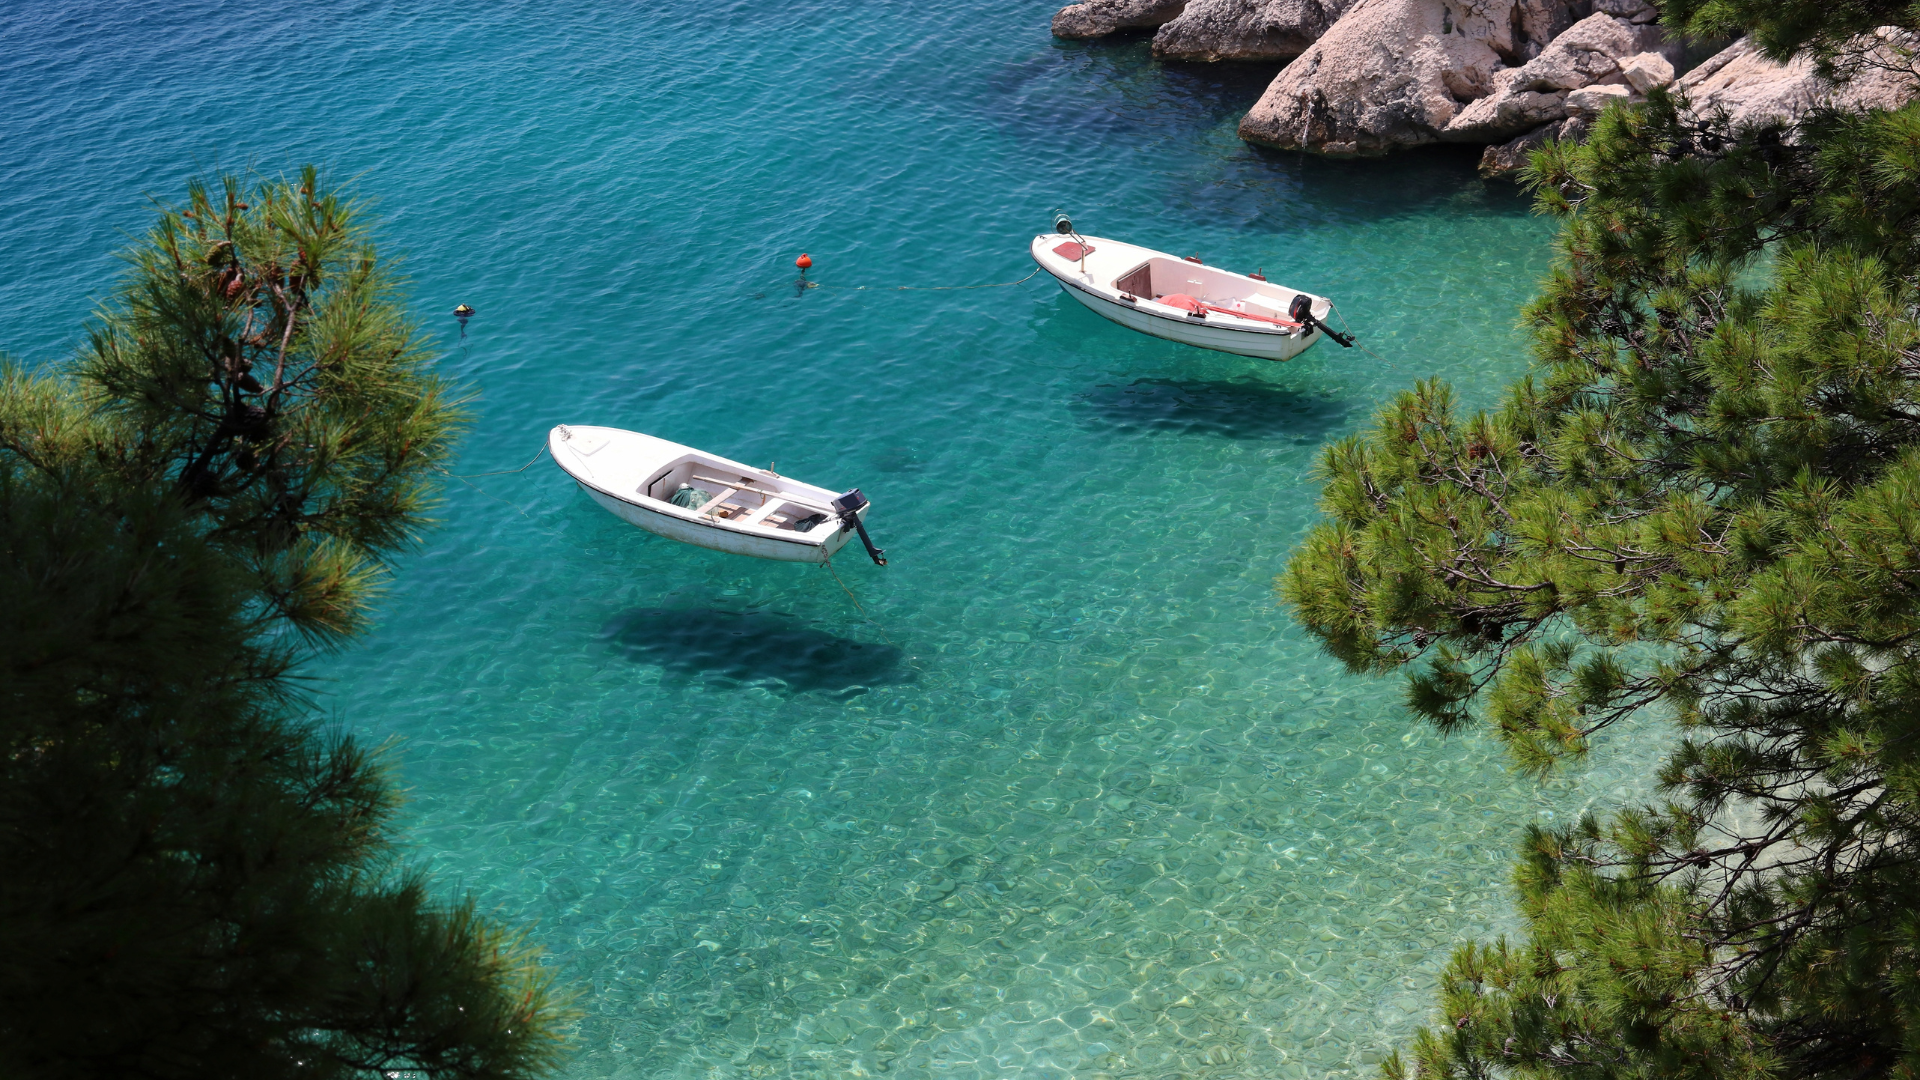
[1367,77]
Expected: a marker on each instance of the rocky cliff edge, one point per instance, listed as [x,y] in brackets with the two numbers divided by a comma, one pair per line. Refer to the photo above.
[1367,77]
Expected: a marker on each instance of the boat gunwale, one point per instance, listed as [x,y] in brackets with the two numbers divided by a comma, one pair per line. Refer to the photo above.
[1181,319]
[666,509]
[707,522]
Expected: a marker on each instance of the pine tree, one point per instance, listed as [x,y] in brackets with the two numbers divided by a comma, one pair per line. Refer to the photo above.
[257,359]
[196,877]
[1702,506]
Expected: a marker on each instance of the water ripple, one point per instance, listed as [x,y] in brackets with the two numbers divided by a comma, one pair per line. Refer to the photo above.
[1066,794]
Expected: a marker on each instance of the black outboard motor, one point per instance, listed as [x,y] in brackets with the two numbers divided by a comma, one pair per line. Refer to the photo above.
[1301,311]
[848,506]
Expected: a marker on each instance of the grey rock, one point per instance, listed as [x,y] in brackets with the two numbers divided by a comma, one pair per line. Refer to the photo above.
[1752,89]
[1718,60]
[1647,71]
[1591,101]
[1506,159]
[1098,18]
[1246,29]
[1386,75]
[1590,52]
[1500,115]
[1541,21]
[1738,79]
[1633,11]
[1395,73]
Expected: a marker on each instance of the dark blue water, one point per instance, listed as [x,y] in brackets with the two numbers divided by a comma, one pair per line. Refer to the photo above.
[1066,795]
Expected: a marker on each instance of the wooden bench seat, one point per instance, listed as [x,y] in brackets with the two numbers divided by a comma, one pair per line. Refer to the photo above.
[744,485]
[714,503]
[760,515]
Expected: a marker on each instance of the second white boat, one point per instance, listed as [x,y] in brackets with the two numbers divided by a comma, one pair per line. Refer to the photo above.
[703,499]
[1184,300]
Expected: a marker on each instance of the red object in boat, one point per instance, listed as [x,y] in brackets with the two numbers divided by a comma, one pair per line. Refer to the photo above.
[1257,275]
[1188,303]
[804,261]
[1194,259]
[1073,251]
[1251,315]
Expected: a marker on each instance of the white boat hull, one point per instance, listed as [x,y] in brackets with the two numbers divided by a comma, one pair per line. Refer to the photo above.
[621,467]
[715,538]
[1095,279]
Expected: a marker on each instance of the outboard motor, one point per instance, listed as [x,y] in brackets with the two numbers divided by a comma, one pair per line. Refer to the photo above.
[1301,311]
[848,506]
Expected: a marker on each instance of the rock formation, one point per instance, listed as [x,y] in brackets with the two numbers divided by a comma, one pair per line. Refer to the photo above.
[1391,73]
[1098,18]
[1398,73]
[1647,71]
[1508,158]
[1208,29]
[1371,76]
[1590,59]
[1754,89]
[1738,80]
[1246,29]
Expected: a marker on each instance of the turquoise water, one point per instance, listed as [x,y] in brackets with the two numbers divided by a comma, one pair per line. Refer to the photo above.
[1071,798]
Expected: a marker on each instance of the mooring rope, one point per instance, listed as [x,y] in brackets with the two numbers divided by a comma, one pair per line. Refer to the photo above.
[922,288]
[1356,341]
[531,520]
[468,479]
[502,472]
[881,630]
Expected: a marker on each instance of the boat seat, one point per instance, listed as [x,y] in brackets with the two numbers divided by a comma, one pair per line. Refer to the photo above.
[744,485]
[760,515]
[713,504]
[1138,281]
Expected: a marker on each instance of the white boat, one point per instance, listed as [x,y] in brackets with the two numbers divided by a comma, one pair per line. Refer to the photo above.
[1184,300]
[699,498]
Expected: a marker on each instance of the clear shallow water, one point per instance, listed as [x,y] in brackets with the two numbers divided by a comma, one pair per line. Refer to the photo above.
[1072,798]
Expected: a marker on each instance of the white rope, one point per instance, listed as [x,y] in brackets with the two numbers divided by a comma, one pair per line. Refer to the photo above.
[502,472]
[856,602]
[1356,341]
[924,288]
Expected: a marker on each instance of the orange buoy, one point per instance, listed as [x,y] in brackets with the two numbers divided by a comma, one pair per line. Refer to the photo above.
[804,261]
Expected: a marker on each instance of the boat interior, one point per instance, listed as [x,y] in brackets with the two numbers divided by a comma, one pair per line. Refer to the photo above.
[1173,278]
[711,488]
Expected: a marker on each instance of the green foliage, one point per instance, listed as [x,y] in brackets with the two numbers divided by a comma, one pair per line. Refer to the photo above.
[1704,504]
[195,879]
[1837,35]
[256,357]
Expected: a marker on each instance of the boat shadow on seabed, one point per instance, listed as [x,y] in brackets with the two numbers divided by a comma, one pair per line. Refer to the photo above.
[1234,409]
[754,648]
